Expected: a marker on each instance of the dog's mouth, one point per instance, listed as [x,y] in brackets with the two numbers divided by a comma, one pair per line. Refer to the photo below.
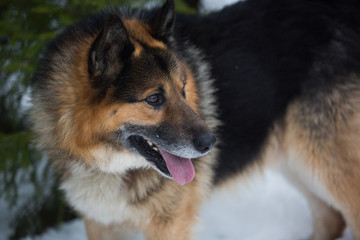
[181,169]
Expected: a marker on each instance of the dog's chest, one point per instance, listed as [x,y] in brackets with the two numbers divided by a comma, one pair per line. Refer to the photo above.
[101,196]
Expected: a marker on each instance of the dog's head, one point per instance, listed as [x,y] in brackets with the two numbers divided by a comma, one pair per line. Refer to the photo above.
[136,103]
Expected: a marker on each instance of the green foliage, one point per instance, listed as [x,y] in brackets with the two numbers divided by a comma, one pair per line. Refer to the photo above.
[16,154]
[26,26]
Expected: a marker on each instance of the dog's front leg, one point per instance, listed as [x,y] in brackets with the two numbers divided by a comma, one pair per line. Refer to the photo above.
[98,231]
[174,225]
[174,229]
[95,230]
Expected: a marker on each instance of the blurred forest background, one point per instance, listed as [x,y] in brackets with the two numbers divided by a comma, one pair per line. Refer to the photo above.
[27,182]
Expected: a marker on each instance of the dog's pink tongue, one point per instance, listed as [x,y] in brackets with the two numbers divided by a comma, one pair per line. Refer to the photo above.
[181,169]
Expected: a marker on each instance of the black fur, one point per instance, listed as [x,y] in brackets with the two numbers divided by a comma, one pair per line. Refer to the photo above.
[263,54]
[163,22]
[109,53]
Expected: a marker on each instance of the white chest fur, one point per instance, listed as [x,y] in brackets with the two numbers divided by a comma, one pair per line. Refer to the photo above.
[101,196]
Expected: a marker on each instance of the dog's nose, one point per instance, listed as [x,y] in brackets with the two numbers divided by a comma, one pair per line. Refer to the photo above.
[204,142]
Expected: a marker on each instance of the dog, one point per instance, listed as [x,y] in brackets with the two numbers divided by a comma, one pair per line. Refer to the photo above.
[143,112]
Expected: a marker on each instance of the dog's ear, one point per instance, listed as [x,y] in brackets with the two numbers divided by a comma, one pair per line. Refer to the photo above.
[162,23]
[108,53]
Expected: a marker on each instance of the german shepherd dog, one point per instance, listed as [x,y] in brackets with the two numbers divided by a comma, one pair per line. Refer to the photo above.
[129,104]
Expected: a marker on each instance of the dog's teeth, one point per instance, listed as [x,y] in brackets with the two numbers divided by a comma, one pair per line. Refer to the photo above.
[149,142]
[156,149]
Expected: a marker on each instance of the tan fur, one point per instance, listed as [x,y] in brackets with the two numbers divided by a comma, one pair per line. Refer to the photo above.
[177,220]
[95,231]
[316,147]
[140,31]
[178,225]
[192,95]
[321,156]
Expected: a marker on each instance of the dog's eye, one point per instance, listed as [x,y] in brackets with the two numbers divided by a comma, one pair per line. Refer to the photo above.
[155,99]
[183,92]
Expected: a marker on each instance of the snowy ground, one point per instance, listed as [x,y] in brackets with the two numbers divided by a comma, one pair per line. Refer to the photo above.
[267,208]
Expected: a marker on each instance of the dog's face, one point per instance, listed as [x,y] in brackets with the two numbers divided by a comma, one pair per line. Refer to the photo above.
[143,99]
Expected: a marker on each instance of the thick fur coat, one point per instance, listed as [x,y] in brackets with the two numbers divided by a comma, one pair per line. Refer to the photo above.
[128,104]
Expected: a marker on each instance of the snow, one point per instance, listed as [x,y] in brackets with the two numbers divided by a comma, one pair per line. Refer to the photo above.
[5,215]
[74,230]
[212,5]
[267,207]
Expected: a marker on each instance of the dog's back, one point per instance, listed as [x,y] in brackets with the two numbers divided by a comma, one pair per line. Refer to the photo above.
[264,54]
[287,75]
